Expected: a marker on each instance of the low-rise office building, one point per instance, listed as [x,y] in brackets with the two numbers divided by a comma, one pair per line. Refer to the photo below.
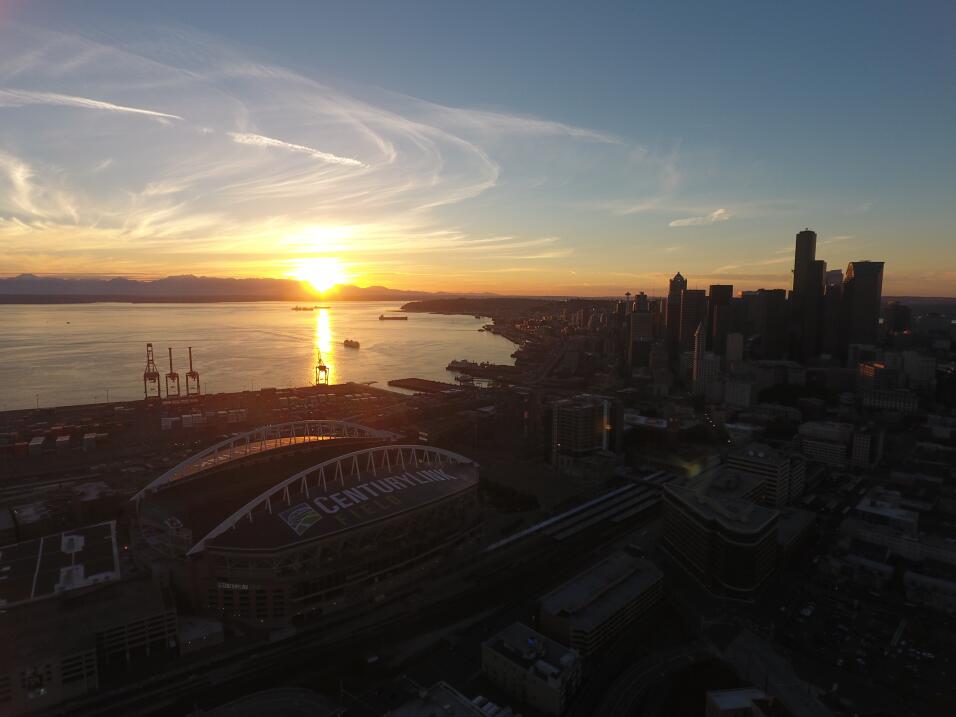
[533,668]
[65,647]
[722,538]
[593,608]
[841,444]
[883,508]
[69,624]
[782,475]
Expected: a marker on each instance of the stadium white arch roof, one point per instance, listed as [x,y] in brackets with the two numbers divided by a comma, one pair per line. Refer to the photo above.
[368,461]
[260,440]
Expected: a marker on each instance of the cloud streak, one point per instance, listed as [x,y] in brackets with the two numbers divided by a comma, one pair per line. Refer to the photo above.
[259,140]
[20,98]
[216,183]
[718,215]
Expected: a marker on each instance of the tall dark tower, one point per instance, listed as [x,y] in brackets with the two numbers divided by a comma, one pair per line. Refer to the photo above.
[693,312]
[831,323]
[803,256]
[862,291]
[806,299]
[676,289]
[718,315]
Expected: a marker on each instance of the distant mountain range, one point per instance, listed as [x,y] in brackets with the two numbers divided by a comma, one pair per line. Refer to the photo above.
[32,289]
[29,288]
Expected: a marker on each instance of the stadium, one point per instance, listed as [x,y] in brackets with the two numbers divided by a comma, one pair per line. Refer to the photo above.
[290,522]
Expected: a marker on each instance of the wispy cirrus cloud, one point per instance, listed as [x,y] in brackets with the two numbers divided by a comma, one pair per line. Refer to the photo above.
[259,140]
[19,98]
[249,167]
[718,215]
[764,262]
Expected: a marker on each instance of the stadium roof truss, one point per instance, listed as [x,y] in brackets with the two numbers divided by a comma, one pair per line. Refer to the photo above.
[368,461]
[260,440]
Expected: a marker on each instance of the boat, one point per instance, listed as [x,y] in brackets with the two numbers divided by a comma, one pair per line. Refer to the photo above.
[302,308]
[350,344]
[462,365]
[383,317]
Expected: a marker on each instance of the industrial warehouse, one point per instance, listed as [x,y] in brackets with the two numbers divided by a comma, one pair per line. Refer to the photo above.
[291,522]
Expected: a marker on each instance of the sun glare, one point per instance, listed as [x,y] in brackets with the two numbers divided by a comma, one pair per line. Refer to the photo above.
[321,274]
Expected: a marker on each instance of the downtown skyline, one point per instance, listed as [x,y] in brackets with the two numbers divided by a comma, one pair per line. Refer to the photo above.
[518,157]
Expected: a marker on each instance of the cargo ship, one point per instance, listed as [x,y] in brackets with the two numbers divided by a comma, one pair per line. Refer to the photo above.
[460,365]
[303,308]
[483,369]
[383,317]
[350,344]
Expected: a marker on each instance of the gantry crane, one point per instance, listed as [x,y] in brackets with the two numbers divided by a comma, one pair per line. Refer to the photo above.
[192,377]
[151,388]
[172,379]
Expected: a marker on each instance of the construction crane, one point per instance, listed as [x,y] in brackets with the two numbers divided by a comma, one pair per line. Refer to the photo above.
[321,371]
[172,378]
[192,377]
[151,388]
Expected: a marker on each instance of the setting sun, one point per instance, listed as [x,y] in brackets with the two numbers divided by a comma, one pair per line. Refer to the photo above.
[321,274]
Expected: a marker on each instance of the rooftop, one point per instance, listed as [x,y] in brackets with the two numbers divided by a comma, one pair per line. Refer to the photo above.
[739,698]
[599,592]
[826,430]
[43,567]
[758,453]
[201,505]
[884,504]
[35,631]
[533,651]
[287,701]
[716,495]
[443,700]
[365,499]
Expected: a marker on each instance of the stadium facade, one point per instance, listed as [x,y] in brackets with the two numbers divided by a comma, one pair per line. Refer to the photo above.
[279,536]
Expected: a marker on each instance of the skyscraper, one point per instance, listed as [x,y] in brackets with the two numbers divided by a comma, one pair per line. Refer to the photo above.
[806,299]
[804,254]
[700,336]
[768,312]
[862,291]
[676,289]
[834,276]
[718,315]
[831,338]
[579,428]
[897,317]
[693,312]
[640,338]
[734,354]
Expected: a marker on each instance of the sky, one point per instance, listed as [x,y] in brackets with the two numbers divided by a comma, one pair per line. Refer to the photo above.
[525,148]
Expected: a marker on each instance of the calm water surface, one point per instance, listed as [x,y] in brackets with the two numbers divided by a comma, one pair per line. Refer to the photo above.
[69,354]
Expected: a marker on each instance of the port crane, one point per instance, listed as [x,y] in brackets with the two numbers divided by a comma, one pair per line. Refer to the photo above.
[192,377]
[151,388]
[322,371]
[172,379]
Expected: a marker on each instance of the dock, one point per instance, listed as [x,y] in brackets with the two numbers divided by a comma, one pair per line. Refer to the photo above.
[423,385]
